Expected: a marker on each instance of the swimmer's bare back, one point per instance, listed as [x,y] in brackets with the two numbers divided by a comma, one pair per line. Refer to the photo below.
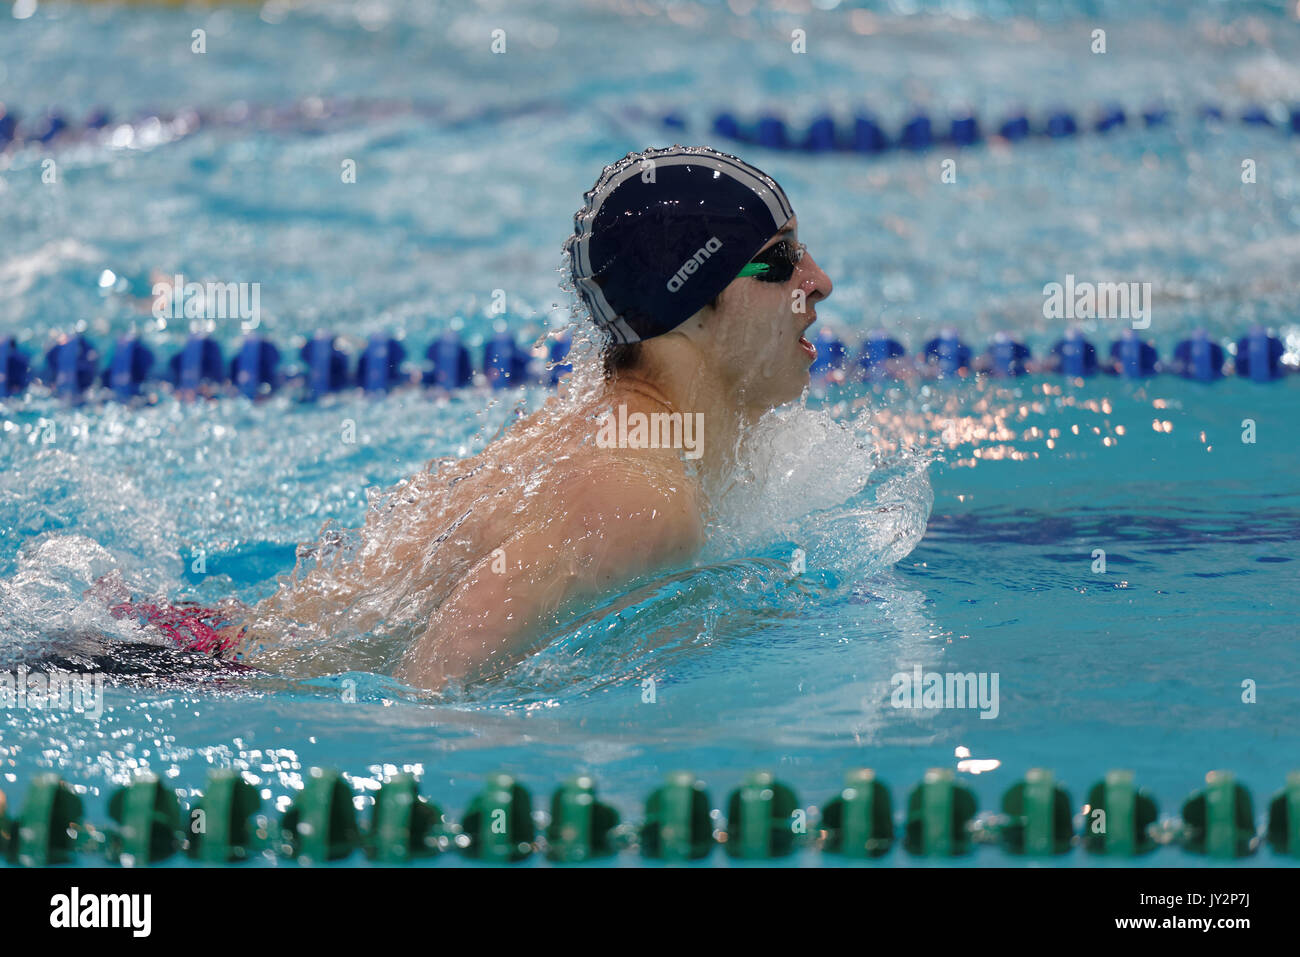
[508,540]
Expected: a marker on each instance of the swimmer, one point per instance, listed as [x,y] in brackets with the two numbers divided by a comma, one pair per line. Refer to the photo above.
[689,260]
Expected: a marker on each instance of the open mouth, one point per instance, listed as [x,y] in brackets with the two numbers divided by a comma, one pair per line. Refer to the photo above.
[806,344]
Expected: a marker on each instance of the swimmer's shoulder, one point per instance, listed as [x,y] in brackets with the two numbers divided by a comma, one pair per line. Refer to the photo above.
[645,502]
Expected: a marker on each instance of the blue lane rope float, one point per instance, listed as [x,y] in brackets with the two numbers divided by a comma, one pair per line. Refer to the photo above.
[558,352]
[1060,124]
[1076,356]
[916,134]
[504,363]
[920,132]
[864,134]
[1111,117]
[379,368]
[55,127]
[14,368]
[255,368]
[877,350]
[1006,356]
[128,368]
[821,134]
[451,365]
[327,366]
[764,821]
[948,352]
[1198,358]
[965,130]
[831,354]
[198,363]
[1014,128]
[1133,358]
[1259,355]
[72,364]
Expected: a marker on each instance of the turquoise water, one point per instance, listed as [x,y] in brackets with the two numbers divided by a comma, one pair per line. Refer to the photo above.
[460,193]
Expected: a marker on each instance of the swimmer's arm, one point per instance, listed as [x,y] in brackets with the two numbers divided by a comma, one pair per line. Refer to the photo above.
[488,622]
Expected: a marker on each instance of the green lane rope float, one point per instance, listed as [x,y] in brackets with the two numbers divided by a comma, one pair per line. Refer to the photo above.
[677,825]
[405,824]
[1283,818]
[1038,816]
[322,824]
[581,827]
[219,827]
[1219,821]
[1119,818]
[149,819]
[760,816]
[50,825]
[939,813]
[498,826]
[859,821]
[764,821]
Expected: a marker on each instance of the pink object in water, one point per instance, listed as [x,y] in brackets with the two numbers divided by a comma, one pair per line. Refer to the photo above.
[184,624]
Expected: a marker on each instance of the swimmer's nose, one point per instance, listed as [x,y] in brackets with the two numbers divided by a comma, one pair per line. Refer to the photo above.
[815,282]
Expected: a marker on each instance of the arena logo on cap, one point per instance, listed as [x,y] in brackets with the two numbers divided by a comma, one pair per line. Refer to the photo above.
[689,267]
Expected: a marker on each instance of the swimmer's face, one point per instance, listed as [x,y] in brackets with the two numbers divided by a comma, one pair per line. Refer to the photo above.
[759,331]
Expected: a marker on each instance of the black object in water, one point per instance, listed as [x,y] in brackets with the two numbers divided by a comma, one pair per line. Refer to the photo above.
[88,653]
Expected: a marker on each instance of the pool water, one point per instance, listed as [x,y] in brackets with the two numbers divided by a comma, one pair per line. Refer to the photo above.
[951,525]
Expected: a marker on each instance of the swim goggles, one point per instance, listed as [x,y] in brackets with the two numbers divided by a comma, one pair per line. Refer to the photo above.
[775,263]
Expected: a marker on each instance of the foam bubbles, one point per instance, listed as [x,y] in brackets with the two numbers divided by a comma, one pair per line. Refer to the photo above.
[804,477]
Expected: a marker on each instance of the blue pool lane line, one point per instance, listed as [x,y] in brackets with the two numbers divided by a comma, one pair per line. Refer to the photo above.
[863,133]
[72,364]
[56,127]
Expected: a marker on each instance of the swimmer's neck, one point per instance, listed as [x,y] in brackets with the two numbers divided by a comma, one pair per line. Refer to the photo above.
[678,377]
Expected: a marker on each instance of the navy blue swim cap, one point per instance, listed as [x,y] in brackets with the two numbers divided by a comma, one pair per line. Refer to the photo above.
[664,231]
